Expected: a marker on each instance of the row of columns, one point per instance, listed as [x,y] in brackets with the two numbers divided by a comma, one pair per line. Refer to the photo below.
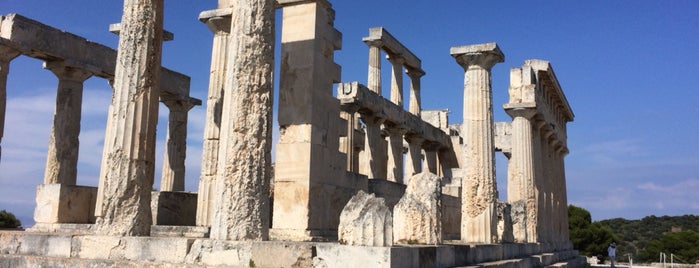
[375,154]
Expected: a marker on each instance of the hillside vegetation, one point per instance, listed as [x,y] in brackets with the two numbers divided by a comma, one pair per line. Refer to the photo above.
[642,239]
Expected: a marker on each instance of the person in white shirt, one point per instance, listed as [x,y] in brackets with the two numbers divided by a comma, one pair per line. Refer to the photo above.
[611,251]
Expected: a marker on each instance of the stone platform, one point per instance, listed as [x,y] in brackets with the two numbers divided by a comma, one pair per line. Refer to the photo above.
[33,249]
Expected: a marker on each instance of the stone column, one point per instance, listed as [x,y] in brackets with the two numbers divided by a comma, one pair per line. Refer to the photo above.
[124,194]
[395,154]
[241,195]
[520,181]
[221,27]
[6,55]
[350,150]
[62,159]
[374,79]
[431,162]
[413,162]
[375,158]
[175,146]
[415,105]
[395,134]
[479,197]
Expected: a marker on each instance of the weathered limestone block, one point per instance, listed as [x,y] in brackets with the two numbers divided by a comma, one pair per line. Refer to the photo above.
[58,203]
[174,208]
[366,221]
[518,214]
[241,195]
[417,216]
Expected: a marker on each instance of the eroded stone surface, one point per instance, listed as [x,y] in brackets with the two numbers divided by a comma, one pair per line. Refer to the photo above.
[417,217]
[366,221]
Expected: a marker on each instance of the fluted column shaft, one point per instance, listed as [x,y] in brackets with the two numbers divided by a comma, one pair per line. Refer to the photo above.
[520,181]
[62,157]
[374,155]
[415,105]
[413,162]
[479,192]
[395,136]
[124,194]
[173,172]
[6,55]
[220,26]
[374,77]
[241,195]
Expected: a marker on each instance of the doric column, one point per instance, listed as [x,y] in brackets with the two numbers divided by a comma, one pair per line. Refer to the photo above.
[520,180]
[413,162]
[479,197]
[415,105]
[6,55]
[396,79]
[395,154]
[172,179]
[124,194]
[241,195]
[220,26]
[62,159]
[375,158]
[351,116]
[374,79]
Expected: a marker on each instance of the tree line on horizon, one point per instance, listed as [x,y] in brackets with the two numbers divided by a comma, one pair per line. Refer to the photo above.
[643,240]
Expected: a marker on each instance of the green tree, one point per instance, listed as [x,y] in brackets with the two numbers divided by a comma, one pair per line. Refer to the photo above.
[684,245]
[8,220]
[590,238]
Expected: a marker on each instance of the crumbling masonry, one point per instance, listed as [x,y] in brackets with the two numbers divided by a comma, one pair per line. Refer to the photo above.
[332,147]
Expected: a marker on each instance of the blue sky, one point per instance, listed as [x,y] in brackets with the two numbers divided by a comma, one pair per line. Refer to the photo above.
[628,68]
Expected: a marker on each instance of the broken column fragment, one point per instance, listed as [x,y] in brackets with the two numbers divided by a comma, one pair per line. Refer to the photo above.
[366,221]
[417,218]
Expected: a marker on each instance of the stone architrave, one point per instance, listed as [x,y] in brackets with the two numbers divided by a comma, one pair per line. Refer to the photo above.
[241,201]
[220,25]
[479,197]
[173,171]
[62,157]
[6,55]
[417,218]
[124,193]
[366,221]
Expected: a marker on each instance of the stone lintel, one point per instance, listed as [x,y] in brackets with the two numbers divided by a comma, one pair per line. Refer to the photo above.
[38,40]
[370,102]
[393,47]
[285,3]
[545,74]
[470,55]
[115,28]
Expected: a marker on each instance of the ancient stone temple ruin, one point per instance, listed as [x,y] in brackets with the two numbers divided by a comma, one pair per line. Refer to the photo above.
[359,180]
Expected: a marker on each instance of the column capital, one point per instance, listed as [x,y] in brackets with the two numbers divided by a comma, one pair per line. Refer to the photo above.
[67,71]
[374,43]
[217,20]
[179,104]
[514,111]
[371,118]
[7,53]
[414,73]
[482,55]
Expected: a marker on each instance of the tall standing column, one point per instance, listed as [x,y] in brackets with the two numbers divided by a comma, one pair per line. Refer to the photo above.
[175,146]
[374,77]
[414,160]
[241,195]
[520,180]
[124,193]
[479,191]
[62,159]
[6,55]
[221,27]
[374,154]
[395,134]
[415,105]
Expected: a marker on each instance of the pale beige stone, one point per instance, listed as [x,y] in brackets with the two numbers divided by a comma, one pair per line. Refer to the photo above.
[479,218]
[124,196]
[60,203]
[417,217]
[173,170]
[366,221]
[6,55]
[241,200]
